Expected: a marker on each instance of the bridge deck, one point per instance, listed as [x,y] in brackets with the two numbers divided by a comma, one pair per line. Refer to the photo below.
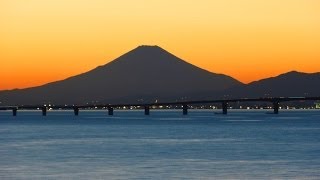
[184,104]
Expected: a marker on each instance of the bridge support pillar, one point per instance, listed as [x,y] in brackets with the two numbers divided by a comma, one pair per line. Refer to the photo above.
[185,109]
[224,108]
[14,111]
[44,111]
[146,110]
[110,111]
[276,107]
[76,111]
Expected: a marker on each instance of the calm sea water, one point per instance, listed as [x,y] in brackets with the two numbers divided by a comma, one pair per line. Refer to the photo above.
[164,145]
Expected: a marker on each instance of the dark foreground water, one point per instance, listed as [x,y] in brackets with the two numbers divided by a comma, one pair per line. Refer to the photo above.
[164,145]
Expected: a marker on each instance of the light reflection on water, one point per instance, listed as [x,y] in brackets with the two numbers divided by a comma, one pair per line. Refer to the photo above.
[164,145]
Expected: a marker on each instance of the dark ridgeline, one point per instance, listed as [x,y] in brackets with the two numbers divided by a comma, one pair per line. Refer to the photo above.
[145,74]
[285,85]
[150,74]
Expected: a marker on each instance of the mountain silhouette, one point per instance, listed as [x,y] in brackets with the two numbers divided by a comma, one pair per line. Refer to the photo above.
[145,74]
[288,84]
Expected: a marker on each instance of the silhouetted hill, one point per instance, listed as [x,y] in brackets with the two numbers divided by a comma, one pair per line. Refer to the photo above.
[289,84]
[144,74]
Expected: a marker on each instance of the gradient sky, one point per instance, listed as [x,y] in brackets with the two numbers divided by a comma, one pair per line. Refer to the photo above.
[48,40]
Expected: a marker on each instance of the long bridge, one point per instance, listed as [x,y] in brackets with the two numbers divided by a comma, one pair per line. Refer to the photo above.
[185,105]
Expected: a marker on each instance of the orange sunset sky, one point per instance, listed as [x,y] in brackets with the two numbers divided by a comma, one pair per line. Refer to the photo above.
[48,40]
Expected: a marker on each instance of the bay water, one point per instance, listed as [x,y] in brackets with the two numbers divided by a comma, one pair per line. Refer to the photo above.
[245,144]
